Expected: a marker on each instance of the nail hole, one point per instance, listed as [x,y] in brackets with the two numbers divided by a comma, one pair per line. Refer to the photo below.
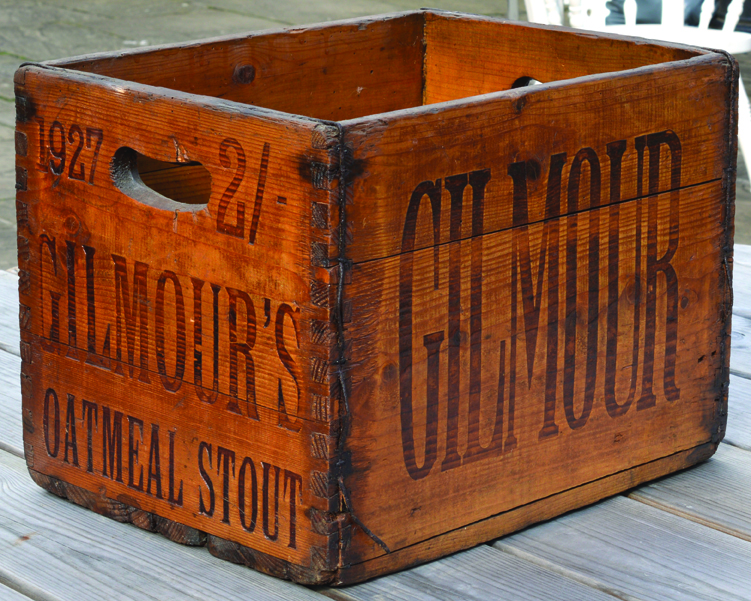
[161,184]
[244,74]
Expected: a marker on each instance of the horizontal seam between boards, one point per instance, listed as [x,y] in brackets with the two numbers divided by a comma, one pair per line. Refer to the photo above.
[125,364]
[537,222]
[555,494]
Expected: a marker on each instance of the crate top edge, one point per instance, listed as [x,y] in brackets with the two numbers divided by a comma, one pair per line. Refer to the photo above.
[236,37]
[64,67]
[198,100]
[516,94]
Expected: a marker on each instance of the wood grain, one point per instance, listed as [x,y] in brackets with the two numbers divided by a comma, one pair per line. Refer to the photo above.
[337,70]
[547,54]
[473,575]
[740,356]
[11,595]
[52,549]
[498,132]
[715,493]
[427,475]
[11,429]
[639,552]
[741,283]
[738,431]
[10,335]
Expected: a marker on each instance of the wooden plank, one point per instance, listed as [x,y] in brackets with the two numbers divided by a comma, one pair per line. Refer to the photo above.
[715,493]
[640,552]
[521,131]
[479,574]
[53,549]
[10,336]
[742,280]
[455,43]
[11,429]
[738,431]
[9,594]
[740,354]
[338,70]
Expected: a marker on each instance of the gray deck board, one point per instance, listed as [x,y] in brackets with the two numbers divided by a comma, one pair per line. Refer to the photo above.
[742,280]
[480,574]
[9,330]
[716,493]
[740,346]
[11,435]
[53,549]
[738,432]
[640,552]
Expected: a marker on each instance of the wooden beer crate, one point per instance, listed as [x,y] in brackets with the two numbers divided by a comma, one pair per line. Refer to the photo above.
[341,299]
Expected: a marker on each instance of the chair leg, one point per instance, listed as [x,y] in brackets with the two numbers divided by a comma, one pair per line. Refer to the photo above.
[744,126]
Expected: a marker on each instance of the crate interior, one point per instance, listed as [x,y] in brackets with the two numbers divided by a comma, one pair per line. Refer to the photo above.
[375,65]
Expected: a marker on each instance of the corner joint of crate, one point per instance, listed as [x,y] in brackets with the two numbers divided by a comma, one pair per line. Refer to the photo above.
[325,136]
[25,108]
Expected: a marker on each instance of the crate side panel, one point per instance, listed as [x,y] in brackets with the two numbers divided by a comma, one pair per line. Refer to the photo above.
[493,372]
[511,144]
[338,71]
[469,56]
[173,351]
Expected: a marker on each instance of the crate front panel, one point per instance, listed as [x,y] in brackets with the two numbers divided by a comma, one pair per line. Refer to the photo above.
[546,314]
[175,360]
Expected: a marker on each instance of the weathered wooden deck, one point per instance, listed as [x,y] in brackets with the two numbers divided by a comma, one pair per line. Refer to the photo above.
[685,537]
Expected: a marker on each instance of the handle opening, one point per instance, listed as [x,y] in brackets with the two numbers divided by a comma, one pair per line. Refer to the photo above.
[161,184]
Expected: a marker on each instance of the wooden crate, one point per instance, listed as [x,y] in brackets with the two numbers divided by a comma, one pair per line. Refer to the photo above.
[341,299]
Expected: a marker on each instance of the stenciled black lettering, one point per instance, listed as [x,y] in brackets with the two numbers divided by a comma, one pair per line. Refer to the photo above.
[242,348]
[178,501]
[661,265]
[295,484]
[285,357]
[593,273]
[247,465]
[222,226]
[90,414]
[133,445]
[203,394]
[205,447]
[127,315]
[615,152]
[225,459]
[71,442]
[272,536]
[155,464]
[406,258]
[171,384]
[52,449]
[112,445]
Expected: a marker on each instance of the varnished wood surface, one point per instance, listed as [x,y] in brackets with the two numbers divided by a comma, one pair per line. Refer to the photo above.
[118,559]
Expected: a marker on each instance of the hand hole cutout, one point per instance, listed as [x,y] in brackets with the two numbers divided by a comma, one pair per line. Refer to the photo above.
[525,81]
[161,184]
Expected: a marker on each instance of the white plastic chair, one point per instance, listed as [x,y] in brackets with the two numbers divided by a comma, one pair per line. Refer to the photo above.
[591,14]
